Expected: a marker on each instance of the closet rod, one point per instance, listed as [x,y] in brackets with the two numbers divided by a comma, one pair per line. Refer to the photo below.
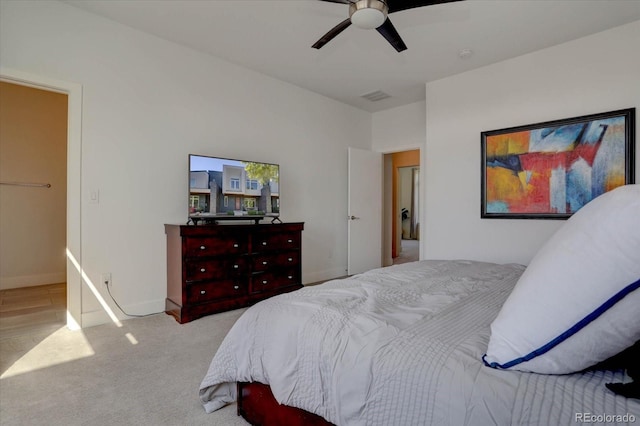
[38,185]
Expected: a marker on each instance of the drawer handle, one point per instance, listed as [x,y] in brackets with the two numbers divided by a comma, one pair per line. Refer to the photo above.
[289,241]
[290,277]
[264,282]
[235,245]
[235,266]
[290,259]
[264,243]
[203,292]
[202,247]
[203,270]
[264,262]
[236,287]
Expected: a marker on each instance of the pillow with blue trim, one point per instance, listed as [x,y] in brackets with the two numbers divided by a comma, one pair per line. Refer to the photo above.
[578,301]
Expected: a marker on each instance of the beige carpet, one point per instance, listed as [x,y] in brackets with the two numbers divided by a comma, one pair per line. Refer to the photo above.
[146,372]
[410,252]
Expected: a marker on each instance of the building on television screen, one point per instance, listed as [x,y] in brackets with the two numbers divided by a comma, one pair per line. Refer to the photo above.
[252,188]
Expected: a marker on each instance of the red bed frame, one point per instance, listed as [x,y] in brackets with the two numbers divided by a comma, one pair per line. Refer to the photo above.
[258,406]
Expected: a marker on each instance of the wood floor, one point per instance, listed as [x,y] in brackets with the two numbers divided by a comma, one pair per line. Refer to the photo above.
[28,316]
[30,310]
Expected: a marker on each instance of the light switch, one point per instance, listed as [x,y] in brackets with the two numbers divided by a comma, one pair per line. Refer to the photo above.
[94,196]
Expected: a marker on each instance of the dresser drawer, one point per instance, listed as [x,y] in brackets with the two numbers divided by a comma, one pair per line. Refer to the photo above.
[265,281]
[276,241]
[266,261]
[214,246]
[197,270]
[212,290]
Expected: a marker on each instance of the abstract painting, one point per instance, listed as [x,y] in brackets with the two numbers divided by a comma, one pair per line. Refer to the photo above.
[550,170]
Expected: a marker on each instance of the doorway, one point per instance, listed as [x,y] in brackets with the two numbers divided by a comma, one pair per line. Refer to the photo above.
[402,207]
[408,197]
[72,255]
[33,200]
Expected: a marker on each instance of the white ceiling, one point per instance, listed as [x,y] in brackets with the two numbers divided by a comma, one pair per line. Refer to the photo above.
[274,37]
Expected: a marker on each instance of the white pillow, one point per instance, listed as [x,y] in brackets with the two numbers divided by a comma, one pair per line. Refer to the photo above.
[578,301]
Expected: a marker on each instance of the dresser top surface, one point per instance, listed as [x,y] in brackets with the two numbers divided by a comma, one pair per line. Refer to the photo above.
[228,227]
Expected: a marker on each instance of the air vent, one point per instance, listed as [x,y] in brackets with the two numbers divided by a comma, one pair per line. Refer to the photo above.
[378,95]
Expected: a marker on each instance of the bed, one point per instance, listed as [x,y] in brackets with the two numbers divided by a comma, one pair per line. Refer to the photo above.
[399,346]
[404,345]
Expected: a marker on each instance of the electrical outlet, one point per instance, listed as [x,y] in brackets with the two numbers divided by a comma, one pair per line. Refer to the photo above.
[106,278]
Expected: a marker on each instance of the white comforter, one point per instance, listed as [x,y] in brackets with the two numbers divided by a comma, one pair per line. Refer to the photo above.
[399,346]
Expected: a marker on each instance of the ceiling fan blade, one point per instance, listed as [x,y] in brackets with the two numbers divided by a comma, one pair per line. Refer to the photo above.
[338,1]
[389,32]
[332,33]
[398,5]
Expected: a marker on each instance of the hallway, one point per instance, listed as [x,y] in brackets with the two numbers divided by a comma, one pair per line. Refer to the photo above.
[409,253]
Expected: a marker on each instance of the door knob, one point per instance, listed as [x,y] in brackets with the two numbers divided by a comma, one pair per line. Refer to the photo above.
[353,217]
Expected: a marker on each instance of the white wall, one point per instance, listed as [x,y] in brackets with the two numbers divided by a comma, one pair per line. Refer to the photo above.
[594,74]
[399,129]
[147,104]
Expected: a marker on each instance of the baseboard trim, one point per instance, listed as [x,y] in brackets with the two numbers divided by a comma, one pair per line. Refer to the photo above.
[326,275]
[32,280]
[100,317]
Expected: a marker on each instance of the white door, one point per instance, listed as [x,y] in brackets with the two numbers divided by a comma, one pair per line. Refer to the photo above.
[364,211]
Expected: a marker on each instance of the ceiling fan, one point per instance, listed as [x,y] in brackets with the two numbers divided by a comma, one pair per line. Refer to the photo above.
[369,14]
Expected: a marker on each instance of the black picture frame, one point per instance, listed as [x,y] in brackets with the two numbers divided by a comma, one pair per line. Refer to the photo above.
[550,170]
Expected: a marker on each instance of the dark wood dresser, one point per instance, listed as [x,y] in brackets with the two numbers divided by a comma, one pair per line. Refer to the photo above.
[215,268]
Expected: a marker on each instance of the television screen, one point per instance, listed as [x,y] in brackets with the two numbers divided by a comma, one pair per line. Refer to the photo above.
[221,188]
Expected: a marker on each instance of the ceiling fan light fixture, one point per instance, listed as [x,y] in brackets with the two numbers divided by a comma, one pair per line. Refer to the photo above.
[368,14]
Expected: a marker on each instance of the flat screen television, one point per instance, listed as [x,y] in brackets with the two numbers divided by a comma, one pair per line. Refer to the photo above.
[228,189]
